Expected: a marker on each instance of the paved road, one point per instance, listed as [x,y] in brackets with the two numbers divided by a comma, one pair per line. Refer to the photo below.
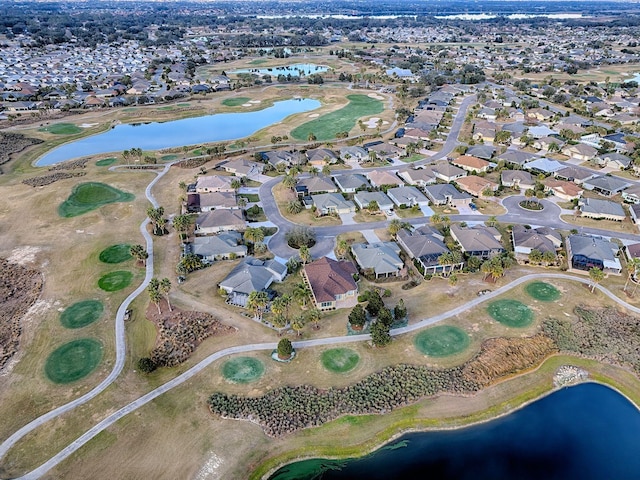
[119,334]
[114,417]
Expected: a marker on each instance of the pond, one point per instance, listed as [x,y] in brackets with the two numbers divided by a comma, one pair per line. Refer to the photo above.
[587,432]
[189,131]
[295,70]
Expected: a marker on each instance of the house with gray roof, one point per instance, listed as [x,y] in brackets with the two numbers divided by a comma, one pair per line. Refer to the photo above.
[332,203]
[220,220]
[517,179]
[485,152]
[321,156]
[419,176]
[634,211]
[355,153]
[447,194]
[544,165]
[284,157]
[383,258]
[315,184]
[214,183]
[243,167]
[543,239]
[478,241]
[517,157]
[632,194]
[351,182]
[251,275]
[606,185]
[363,199]
[408,196]
[602,209]
[615,160]
[586,251]
[425,246]
[577,175]
[447,172]
[223,246]
[217,200]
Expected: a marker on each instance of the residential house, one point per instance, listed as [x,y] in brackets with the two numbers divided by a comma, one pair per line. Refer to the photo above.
[516,157]
[606,185]
[315,184]
[602,209]
[216,200]
[284,157]
[217,221]
[632,195]
[354,153]
[382,258]
[517,179]
[479,240]
[471,163]
[420,176]
[614,160]
[251,275]
[332,203]
[425,246]
[242,167]
[577,175]
[544,165]
[386,150]
[634,211]
[477,186]
[585,252]
[447,194]
[223,246]
[486,152]
[214,183]
[484,131]
[408,196]
[544,144]
[446,172]
[580,151]
[379,178]
[363,199]
[563,189]
[632,251]
[331,283]
[320,157]
[543,239]
[350,182]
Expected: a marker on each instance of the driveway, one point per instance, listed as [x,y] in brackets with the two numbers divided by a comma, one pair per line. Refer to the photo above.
[467,210]
[426,211]
[347,218]
[370,236]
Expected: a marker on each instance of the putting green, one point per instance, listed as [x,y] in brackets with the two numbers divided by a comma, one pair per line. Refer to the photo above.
[340,360]
[327,126]
[61,129]
[89,196]
[105,162]
[511,313]
[168,158]
[235,102]
[116,253]
[243,370]
[73,361]
[81,314]
[543,291]
[114,281]
[442,341]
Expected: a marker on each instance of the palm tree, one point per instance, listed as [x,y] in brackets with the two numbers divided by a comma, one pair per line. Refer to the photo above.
[289,181]
[154,292]
[242,202]
[453,280]
[341,248]
[236,184]
[633,266]
[596,275]
[302,294]
[529,194]
[139,253]
[165,288]
[394,227]
[326,169]
[257,302]
[435,219]
[497,270]
[373,206]
[294,207]
[298,324]
[253,234]
[313,315]
[311,137]
[313,171]
[305,254]
[486,268]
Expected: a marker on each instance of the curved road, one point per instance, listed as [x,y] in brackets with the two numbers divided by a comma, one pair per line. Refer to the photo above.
[111,419]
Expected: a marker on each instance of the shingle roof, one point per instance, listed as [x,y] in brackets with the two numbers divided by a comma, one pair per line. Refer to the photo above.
[329,278]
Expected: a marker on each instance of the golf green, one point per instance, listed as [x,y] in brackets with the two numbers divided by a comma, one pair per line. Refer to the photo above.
[543,291]
[442,341]
[235,102]
[81,314]
[89,196]
[116,253]
[62,129]
[340,360]
[327,126]
[168,158]
[243,370]
[510,313]
[114,281]
[73,361]
[105,162]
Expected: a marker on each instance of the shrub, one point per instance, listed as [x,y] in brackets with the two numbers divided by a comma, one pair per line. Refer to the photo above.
[146,365]
[299,236]
[285,349]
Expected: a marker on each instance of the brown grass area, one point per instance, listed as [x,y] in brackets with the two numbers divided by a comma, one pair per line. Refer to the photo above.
[489,207]
[283,195]
[625,226]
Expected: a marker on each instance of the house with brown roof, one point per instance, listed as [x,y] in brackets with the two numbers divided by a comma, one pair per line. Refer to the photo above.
[221,220]
[420,176]
[215,200]
[331,283]
[378,178]
[476,185]
[471,163]
[517,179]
[214,183]
[478,241]
[580,151]
[562,189]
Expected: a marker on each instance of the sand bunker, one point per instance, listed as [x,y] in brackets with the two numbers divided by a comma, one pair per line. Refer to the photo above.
[372,122]
[375,96]
[23,255]
[247,105]
[313,115]
[88,125]
[255,101]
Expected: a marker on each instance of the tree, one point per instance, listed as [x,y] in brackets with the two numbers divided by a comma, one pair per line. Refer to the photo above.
[326,169]
[165,288]
[453,280]
[485,268]
[146,365]
[503,136]
[302,294]
[474,262]
[549,257]
[374,303]
[380,334]
[596,275]
[535,256]
[311,137]
[285,349]
[257,302]
[253,234]
[278,320]
[289,181]
[341,248]
[181,222]
[191,262]
[305,254]
[357,317]
[294,207]
[394,227]
[492,221]
[236,184]
[313,316]
[633,265]
[280,306]
[385,316]
[139,253]
[529,194]
[154,292]
[292,265]
[400,310]
[373,206]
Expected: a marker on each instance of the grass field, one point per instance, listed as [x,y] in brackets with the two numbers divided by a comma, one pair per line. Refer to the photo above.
[243,370]
[413,158]
[105,162]
[442,341]
[543,291]
[73,361]
[340,360]
[114,281]
[343,120]
[168,158]
[81,314]
[86,197]
[258,61]
[510,313]
[116,253]
[235,101]
[62,129]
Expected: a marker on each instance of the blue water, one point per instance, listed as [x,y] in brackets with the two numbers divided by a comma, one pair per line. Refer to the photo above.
[294,70]
[189,131]
[583,432]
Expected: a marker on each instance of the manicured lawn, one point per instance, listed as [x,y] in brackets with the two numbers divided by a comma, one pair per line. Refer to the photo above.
[340,360]
[62,129]
[168,107]
[413,158]
[327,126]
[81,314]
[89,196]
[184,104]
[116,253]
[235,101]
[510,313]
[114,281]
[243,370]
[105,162]
[258,61]
[442,341]
[543,291]
[168,158]
[73,361]
[251,197]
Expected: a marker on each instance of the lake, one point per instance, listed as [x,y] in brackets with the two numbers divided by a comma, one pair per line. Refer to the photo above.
[587,432]
[189,131]
[294,70]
